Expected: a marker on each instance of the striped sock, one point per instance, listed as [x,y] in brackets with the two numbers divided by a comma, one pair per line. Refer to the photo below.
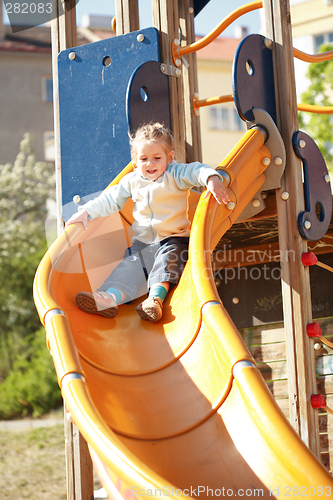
[115,294]
[158,291]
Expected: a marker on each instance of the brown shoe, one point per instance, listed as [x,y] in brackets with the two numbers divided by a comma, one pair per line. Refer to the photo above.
[97,303]
[150,309]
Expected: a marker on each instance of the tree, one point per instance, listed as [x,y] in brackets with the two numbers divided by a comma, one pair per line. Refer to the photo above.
[25,187]
[320,92]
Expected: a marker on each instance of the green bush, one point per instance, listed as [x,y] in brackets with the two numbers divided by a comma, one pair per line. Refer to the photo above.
[31,388]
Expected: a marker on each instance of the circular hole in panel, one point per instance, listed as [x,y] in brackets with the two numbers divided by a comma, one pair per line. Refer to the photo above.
[144,94]
[249,67]
[106,61]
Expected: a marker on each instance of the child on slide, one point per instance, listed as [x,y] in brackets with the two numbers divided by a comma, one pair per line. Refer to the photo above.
[159,189]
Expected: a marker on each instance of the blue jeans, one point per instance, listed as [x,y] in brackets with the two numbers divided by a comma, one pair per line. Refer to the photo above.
[154,263]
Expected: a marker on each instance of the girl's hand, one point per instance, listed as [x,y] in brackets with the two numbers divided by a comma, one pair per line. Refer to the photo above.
[81,216]
[216,187]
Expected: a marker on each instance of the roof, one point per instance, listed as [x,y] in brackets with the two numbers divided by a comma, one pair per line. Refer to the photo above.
[38,39]
[221,49]
[33,40]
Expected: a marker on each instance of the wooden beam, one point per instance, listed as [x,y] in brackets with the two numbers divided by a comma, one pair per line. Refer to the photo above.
[127,16]
[190,82]
[79,467]
[166,20]
[295,278]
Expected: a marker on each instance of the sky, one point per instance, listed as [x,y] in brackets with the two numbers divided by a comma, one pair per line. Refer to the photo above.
[214,12]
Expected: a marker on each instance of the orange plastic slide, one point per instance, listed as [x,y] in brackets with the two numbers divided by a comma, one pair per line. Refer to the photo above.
[175,408]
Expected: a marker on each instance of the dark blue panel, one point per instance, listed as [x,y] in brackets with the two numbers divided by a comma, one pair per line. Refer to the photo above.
[92,102]
[148,96]
[317,192]
[253,78]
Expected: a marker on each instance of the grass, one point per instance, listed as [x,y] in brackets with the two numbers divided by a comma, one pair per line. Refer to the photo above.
[32,464]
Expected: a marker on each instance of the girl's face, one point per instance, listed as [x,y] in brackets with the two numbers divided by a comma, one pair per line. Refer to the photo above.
[152,159]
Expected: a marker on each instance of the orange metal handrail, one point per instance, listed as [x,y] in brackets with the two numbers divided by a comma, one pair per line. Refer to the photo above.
[313,58]
[210,101]
[178,51]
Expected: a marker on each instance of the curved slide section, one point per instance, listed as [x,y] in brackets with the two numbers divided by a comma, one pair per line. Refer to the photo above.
[177,407]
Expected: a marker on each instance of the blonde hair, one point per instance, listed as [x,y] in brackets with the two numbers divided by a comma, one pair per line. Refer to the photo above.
[150,132]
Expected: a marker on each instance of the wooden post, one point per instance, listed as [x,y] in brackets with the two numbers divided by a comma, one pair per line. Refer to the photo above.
[127,16]
[295,278]
[166,20]
[78,462]
[190,82]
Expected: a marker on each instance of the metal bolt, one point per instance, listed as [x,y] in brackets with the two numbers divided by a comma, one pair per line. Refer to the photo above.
[76,199]
[317,346]
[197,112]
[235,300]
[176,42]
[302,143]
[307,224]
[268,43]
[285,195]
[266,161]
[256,202]
[231,205]
[178,62]
[163,68]
[190,10]
[278,160]
[72,56]
[178,71]
[327,178]
[140,37]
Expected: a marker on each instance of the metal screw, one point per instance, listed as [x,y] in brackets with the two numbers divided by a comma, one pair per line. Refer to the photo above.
[76,199]
[278,160]
[302,143]
[256,202]
[176,42]
[197,112]
[231,205]
[190,10]
[178,71]
[178,62]
[72,56]
[285,195]
[307,224]
[268,43]
[317,346]
[140,37]
[266,161]
[235,300]
[163,68]
[327,178]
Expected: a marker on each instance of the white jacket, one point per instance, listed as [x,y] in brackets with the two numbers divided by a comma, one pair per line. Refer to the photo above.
[160,206]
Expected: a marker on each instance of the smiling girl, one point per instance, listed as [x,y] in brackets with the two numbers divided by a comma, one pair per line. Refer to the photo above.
[159,188]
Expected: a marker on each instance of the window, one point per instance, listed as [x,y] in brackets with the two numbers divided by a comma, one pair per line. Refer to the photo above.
[223,118]
[47,88]
[320,39]
[49,147]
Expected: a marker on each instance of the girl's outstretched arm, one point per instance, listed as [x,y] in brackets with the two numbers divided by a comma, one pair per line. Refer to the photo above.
[218,190]
[81,216]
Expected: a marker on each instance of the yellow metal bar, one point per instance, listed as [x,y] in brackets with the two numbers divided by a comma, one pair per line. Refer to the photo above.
[177,51]
[210,101]
[313,58]
[311,108]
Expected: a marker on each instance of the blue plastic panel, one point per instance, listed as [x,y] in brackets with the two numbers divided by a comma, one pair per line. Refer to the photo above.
[253,78]
[92,102]
[317,191]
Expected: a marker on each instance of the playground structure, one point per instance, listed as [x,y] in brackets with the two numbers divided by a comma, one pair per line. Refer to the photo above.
[181,404]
